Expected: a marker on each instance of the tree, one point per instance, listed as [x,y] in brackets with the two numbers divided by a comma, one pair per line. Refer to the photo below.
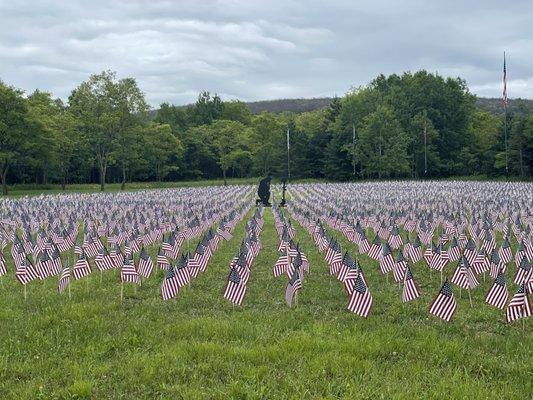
[267,135]
[14,135]
[108,112]
[236,110]
[207,109]
[484,129]
[160,148]
[382,145]
[174,116]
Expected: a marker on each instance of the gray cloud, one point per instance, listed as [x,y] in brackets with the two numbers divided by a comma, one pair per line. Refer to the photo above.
[255,50]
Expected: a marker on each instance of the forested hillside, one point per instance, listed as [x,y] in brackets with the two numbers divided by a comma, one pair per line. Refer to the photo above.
[491,105]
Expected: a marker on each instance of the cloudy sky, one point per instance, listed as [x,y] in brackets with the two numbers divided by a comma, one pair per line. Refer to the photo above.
[254,50]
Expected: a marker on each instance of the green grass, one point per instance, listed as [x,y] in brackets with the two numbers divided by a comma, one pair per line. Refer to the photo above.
[199,346]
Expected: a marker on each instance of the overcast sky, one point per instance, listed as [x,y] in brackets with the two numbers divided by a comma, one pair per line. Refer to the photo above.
[255,50]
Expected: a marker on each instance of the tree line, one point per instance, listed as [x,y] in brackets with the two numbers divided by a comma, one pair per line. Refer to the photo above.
[414,125]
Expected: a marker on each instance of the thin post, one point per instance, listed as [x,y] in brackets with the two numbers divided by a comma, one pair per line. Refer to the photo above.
[425,148]
[288,154]
[504,99]
[69,295]
[25,293]
[121,291]
[470,298]
[353,147]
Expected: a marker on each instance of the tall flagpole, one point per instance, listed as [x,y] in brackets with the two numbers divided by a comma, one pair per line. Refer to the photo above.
[288,154]
[504,99]
[425,148]
[353,147]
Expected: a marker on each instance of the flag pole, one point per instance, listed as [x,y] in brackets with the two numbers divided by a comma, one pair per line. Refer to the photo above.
[353,147]
[425,148]
[505,114]
[288,154]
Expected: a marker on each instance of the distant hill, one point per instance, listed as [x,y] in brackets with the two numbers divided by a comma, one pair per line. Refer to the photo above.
[491,105]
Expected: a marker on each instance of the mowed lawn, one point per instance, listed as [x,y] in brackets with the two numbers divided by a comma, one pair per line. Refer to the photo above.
[199,346]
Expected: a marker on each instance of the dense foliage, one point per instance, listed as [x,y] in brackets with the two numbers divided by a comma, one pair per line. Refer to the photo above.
[411,125]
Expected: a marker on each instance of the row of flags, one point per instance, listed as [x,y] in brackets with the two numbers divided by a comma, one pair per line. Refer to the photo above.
[474,250]
[180,272]
[241,265]
[292,260]
[42,244]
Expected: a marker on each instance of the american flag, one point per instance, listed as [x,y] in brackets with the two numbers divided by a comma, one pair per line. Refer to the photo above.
[505,251]
[496,265]
[182,271]
[235,288]
[170,286]
[128,273]
[395,240]
[519,306]
[386,259]
[361,300]
[348,265]
[64,279]
[399,268]
[497,295]
[464,276]
[103,260]
[162,260]
[522,272]
[410,288]
[504,93]
[444,305]
[293,286]
[81,268]
[26,272]
[146,264]
[375,248]
[3,264]
[281,265]
[416,250]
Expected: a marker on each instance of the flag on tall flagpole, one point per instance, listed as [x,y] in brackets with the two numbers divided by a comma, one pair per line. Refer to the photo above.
[504,94]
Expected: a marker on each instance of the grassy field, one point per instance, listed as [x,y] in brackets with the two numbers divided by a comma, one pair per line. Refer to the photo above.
[199,346]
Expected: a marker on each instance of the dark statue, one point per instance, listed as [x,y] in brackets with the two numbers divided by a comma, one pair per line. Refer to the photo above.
[264,191]
[283,189]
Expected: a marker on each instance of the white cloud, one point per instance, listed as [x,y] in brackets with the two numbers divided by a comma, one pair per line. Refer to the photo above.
[262,49]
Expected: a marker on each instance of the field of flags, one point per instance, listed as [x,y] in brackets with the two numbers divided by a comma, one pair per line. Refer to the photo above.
[462,231]
[73,236]
[351,290]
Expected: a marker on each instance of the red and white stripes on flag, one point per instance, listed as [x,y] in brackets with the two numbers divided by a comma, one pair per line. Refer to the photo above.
[170,286]
[444,305]
[410,288]
[519,306]
[235,288]
[361,300]
[81,268]
[64,279]
[497,295]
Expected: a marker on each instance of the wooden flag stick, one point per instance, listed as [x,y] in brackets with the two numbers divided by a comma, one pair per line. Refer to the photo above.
[121,291]
[69,295]
[470,298]
[25,294]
